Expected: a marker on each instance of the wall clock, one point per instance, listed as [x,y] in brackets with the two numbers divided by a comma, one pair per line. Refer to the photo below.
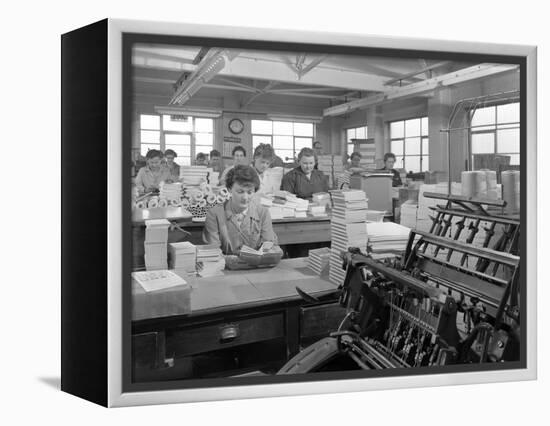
[236,126]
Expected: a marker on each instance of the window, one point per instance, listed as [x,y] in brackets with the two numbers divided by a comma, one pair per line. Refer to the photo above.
[355,133]
[495,130]
[409,143]
[187,136]
[286,137]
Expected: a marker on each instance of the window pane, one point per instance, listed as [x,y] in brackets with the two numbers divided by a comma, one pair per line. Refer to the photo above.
[397,147]
[483,116]
[204,125]
[425,163]
[300,143]
[514,159]
[412,146]
[262,127]
[412,127]
[204,139]
[397,129]
[350,135]
[508,140]
[398,163]
[283,142]
[146,147]
[183,161]
[483,143]
[303,129]
[151,122]
[256,140]
[204,149]
[282,128]
[425,146]
[412,163]
[361,133]
[178,125]
[508,113]
[351,148]
[286,154]
[171,139]
[425,128]
[150,136]
[181,150]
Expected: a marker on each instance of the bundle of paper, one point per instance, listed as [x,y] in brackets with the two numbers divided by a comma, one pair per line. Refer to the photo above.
[276,212]
[213,177]
[347,228]
[183,257]
[317,210]
[318,260]
[408,214]
[155,244]
[387,237]
[266,255]
[158,280]
[193,175]
[266,201]
[210,261]
[171,191]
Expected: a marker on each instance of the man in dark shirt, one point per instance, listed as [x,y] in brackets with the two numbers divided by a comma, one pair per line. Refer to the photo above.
[389,161]
[304,180]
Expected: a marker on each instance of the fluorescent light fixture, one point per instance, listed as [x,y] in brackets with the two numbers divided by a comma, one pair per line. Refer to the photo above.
[194,112]
[295,118]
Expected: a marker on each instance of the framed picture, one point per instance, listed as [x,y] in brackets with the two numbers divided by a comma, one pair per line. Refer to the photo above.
[374,227]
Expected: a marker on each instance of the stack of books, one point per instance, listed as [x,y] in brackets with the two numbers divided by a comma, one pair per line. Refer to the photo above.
[171,192]
[156,244]
[183,258]
[318,260]
[210,261]
[317,210]
[285,204]
[386,239]
[349,213]
[193,175]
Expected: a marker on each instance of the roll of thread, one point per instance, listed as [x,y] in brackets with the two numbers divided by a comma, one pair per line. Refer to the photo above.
[163,203]
[175,203]
[510,190]
[198,195]
[211,198]
[220,199]
[474,184]
[153,203]
[141,204]
[206,188]
[224,192]
[202,203]
[185,203]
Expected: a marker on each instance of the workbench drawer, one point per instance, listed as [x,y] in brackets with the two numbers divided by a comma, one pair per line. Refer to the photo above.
[216,336]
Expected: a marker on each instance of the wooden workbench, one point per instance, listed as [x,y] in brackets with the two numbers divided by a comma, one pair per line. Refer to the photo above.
[245,320]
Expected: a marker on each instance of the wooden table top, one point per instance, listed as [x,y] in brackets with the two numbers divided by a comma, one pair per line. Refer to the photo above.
[234,290]
[139,216]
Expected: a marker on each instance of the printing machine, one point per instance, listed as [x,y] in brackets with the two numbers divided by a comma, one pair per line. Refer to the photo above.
[445,301]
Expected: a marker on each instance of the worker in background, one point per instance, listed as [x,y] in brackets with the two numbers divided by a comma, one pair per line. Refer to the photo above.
[304,180]
[239,158]
[355,162]
[318,148]
[149,177]
[238,221]
[201,159]
[262,158]
[389,162]
[215,161]
[277,161]
[174,168]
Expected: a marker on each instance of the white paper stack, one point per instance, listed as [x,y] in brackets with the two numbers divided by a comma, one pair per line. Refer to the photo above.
[318,260]
[158,280]
[183,257]
[347,228]
[155,245]
[210,261]
[386,239]
[213,177]
[317,210]
[408,214]
[276,212]
[171,192]
[193,175]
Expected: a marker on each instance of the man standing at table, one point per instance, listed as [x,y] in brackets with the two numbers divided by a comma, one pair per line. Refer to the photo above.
[304,180]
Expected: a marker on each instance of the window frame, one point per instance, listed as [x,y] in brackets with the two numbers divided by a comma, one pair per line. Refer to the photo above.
[273,134]
[348,144]
[404,138]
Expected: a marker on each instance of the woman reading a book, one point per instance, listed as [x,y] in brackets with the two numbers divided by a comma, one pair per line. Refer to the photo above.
[304,180]
[238,222]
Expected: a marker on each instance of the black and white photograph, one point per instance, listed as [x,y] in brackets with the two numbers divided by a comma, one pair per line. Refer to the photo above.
[312,212]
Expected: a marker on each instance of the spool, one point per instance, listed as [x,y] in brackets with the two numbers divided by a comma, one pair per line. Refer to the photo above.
[198,195]
[511,190]
[153,203]
[175,203]
[211,199]
[224,192]
[202,203]
[185,203]
[220,198]
[474,184]
[163,202]
[141,204]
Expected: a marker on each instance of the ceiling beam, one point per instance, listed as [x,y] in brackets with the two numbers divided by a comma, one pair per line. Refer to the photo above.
[262,92]
[311,65]
[415,73]
[200,56]
[422,87]
[152,55]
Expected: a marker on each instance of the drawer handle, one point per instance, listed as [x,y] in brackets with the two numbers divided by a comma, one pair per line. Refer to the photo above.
[229,332]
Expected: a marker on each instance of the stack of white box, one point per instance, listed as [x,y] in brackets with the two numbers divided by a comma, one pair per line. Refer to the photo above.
[348,229]
[156,244]
[210,261]
[193,175]
[318,260]
[183,258]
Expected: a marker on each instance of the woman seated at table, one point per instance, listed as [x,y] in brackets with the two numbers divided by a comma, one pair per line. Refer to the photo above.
[389,161]
[239,157]
[149,177]
[263,157]
[239,222]
[355,162]
[169,156]
[304,180]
